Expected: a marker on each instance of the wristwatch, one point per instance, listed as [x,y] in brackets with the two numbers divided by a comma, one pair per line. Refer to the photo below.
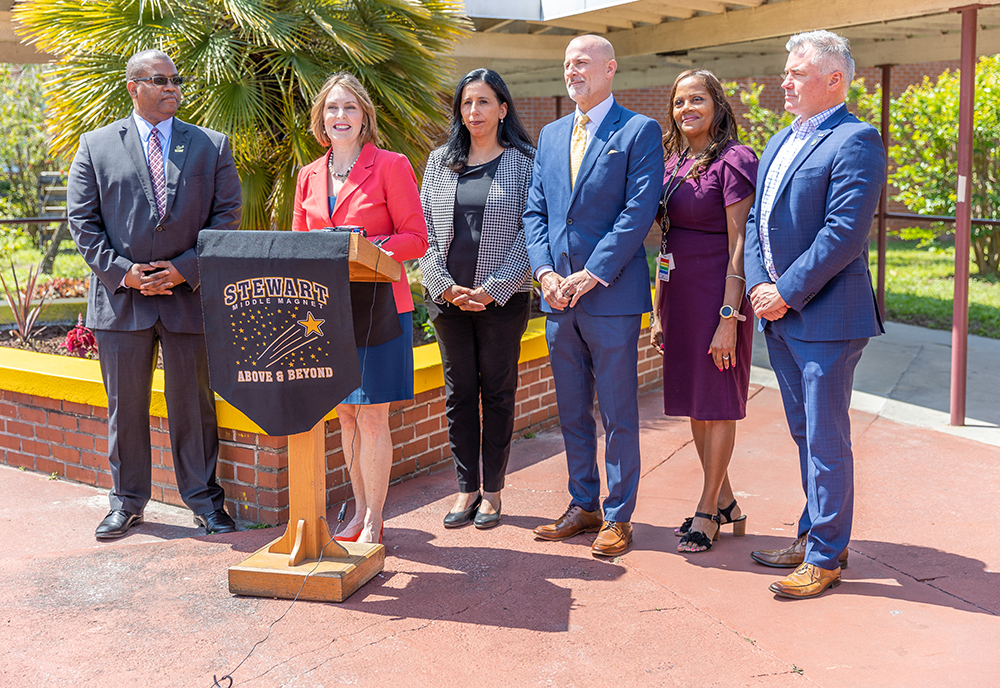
[728,311]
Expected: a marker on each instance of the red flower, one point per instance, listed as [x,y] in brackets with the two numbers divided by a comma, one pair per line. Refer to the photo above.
[80,341]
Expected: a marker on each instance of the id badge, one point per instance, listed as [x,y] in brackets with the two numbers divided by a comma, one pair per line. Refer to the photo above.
[665,263]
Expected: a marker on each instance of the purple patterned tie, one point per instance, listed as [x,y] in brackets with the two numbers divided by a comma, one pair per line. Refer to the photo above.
[156,172]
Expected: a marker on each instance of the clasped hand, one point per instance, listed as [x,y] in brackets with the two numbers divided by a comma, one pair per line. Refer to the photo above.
[156,278]
[467,299]
[562,292]
[767,303]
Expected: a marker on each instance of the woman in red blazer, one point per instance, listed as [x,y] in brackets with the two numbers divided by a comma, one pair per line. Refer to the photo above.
[357,183]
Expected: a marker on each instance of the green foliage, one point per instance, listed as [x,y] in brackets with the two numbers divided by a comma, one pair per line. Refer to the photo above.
[256,64]
[23,146]
[925,152]
[920,288]
[27,303]
[23,149]
[760,123]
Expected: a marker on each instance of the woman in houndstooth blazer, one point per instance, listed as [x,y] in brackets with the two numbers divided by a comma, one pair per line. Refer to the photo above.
[475,272]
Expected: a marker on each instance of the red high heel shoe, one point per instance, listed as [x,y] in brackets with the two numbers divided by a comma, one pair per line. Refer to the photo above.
[346,538]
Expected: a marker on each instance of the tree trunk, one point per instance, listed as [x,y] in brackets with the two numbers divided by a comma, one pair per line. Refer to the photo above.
[53,249]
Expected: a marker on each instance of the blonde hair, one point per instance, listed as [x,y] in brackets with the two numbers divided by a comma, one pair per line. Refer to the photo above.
[369,124]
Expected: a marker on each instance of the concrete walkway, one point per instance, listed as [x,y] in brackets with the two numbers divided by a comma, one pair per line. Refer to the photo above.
[919,604]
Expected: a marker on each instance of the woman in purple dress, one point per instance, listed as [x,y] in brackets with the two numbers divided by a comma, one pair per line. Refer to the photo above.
[702,321]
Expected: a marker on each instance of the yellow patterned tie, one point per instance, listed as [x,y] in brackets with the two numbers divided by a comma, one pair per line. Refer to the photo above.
[577,147]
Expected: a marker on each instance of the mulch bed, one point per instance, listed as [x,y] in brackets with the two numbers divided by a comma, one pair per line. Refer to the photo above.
[47,340]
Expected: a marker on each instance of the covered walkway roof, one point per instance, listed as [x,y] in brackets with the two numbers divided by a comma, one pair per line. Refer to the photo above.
[524,40]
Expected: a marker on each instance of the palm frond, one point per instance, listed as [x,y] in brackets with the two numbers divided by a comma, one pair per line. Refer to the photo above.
[256,66]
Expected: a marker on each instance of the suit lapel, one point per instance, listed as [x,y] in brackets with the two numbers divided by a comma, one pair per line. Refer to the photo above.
[179,139]
[361,171]
[133,149]
[596,148]
[812,144]
[562,132]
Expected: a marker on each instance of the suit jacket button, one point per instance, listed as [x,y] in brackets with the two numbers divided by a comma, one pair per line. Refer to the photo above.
[159,228]
[569,221]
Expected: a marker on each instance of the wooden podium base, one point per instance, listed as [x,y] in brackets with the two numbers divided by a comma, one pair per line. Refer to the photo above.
[268,574]
[279,569]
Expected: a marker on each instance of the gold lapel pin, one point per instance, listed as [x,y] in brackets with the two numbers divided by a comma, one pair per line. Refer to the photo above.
[178,149]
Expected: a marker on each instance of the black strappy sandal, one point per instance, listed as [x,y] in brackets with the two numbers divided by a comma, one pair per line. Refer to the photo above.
[739,524]
[699,538]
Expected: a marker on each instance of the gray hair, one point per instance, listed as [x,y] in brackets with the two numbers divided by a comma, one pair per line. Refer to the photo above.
[137,63]
[833,52]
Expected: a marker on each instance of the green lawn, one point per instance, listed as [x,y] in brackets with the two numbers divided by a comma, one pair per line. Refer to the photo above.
[920,287]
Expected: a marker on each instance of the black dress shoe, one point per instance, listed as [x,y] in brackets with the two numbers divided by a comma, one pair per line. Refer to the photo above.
[116,524]
[456,519]
[484,521]
[216,522]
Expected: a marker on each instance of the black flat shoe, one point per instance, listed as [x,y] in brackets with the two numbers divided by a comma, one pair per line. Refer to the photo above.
[457,519]
[484,521]
[116,524]
[215,522]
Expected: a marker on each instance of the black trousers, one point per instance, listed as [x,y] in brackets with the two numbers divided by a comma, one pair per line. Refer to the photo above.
[479,353]
[127,363]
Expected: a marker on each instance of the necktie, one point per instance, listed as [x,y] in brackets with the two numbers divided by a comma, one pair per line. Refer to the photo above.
[577,147]
[156,172]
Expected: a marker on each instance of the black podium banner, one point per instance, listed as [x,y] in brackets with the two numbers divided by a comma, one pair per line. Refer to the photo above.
[278,323]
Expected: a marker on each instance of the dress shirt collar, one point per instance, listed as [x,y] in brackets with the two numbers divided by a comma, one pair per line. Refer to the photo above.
[596,114]
[165,128]
[802,129]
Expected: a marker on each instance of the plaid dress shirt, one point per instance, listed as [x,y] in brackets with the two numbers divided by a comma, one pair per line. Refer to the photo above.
[801,131]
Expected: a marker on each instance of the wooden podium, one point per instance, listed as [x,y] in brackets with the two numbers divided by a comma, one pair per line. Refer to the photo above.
[287,567]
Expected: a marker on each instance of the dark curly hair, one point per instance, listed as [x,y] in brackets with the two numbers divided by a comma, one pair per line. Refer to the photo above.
[723,128]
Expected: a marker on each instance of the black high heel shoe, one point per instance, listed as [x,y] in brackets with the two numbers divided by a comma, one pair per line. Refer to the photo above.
[700,539]
[725,518]
[739,524]
[457,519]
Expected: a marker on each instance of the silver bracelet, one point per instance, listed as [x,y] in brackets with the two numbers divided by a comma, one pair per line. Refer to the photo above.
[737,277]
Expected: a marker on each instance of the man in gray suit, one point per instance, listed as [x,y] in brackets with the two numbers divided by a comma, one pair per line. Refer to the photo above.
[140,190]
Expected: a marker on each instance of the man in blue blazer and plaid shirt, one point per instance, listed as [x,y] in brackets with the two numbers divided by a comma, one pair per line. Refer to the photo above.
[807,277]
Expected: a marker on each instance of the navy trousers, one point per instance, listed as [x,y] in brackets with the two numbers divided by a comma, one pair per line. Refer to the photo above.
[598,353]
[815,379]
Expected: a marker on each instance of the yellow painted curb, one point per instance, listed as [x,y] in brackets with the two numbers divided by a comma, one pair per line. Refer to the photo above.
[79,380]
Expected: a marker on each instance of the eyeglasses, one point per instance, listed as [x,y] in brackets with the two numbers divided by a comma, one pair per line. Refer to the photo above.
[162,80]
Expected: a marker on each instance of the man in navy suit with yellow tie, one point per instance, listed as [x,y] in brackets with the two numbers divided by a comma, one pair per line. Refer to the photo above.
[594,193]
[140,190]
[807,276]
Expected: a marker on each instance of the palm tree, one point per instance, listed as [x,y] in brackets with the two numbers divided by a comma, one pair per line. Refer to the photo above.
[256,64]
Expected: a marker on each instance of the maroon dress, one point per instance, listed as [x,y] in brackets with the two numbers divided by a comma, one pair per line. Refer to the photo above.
[690,301]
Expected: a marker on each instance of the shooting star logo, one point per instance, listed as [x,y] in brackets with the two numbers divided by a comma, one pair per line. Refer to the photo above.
[292,339]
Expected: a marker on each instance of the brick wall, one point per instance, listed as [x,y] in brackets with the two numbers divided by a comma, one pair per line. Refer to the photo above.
[653,102]
[69,440]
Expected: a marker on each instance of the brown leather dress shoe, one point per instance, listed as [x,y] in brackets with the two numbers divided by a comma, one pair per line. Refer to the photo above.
[574,521]
[790,557]
[614,539]
[808,580]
